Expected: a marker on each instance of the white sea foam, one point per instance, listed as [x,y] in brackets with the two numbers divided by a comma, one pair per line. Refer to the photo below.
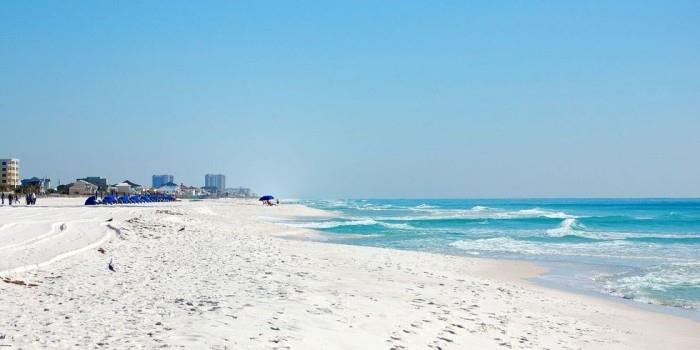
[396,226]
[354,236]
[604,249]
[423,207]
[352,222]
[477,213]
[657,284]
[331,224]
[537,212]
[571,227]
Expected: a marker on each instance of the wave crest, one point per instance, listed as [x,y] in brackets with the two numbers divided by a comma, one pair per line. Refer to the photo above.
[568,226]
[332,224]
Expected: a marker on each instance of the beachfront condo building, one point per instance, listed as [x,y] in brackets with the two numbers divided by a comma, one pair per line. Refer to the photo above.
[217,181]
[100,182]
[9,173]
[82,188]
[160,180]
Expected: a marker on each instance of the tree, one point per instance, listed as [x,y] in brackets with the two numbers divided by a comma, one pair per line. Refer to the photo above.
[62,189]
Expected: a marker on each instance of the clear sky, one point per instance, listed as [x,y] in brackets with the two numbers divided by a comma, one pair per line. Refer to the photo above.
[334,99]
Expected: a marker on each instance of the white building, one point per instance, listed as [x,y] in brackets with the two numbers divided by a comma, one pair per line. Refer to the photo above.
[169,188]
[82,188]
[9,172]
[127,187]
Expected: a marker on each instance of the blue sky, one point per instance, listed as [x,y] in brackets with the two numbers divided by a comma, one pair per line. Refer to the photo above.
[359,99]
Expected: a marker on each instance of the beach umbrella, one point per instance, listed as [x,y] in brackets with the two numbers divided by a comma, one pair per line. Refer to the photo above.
[266,198]
[91,201]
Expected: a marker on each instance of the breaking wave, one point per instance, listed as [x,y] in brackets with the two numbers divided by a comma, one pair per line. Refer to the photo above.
[332,224]
[568,226]
[359,222]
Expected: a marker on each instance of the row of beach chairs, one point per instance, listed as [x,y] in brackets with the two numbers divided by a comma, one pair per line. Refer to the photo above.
[133,199]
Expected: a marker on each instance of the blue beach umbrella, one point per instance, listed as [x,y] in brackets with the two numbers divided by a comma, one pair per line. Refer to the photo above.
[266,198]
[91,201]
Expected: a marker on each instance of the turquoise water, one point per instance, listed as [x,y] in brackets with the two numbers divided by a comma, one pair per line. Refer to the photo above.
[647,250]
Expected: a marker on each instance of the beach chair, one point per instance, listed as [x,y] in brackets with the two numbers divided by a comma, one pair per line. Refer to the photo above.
[111,200]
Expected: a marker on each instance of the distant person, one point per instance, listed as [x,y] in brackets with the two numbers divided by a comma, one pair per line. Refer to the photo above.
[9,198]
[278,202]
[33,198]
[3,198]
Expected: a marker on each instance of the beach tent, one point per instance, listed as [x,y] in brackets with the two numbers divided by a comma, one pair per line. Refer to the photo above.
[91,201]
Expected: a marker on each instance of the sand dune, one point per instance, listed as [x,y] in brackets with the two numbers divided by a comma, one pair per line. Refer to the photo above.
[215,274]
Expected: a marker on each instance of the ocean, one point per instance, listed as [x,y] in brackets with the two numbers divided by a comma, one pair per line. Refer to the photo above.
[646,250]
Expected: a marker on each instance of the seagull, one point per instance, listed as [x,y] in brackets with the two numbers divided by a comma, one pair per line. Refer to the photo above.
[110,266]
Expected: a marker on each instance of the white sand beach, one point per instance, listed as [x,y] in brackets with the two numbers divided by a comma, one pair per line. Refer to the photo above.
[220,274]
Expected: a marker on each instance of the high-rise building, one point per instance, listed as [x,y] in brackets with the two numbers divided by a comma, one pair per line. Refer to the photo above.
[217,181]
[160,180]
[9,173]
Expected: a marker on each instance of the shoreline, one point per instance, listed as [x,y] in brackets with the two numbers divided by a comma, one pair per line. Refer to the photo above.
[523,271]
[216,274]
[535,272]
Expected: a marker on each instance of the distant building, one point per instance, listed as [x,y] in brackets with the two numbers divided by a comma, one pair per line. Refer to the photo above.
[100,182]
[190,191]
[127,187]
[82,188]
[217,181]
[209,190]
[169,188]
[160,180]
[242,192]
[42,184]
[9,172]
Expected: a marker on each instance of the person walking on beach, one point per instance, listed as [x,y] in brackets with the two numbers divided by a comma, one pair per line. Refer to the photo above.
[9,198]
[3,197]
[33,198]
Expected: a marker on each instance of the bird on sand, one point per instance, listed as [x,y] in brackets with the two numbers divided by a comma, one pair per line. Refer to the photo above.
[110,266]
